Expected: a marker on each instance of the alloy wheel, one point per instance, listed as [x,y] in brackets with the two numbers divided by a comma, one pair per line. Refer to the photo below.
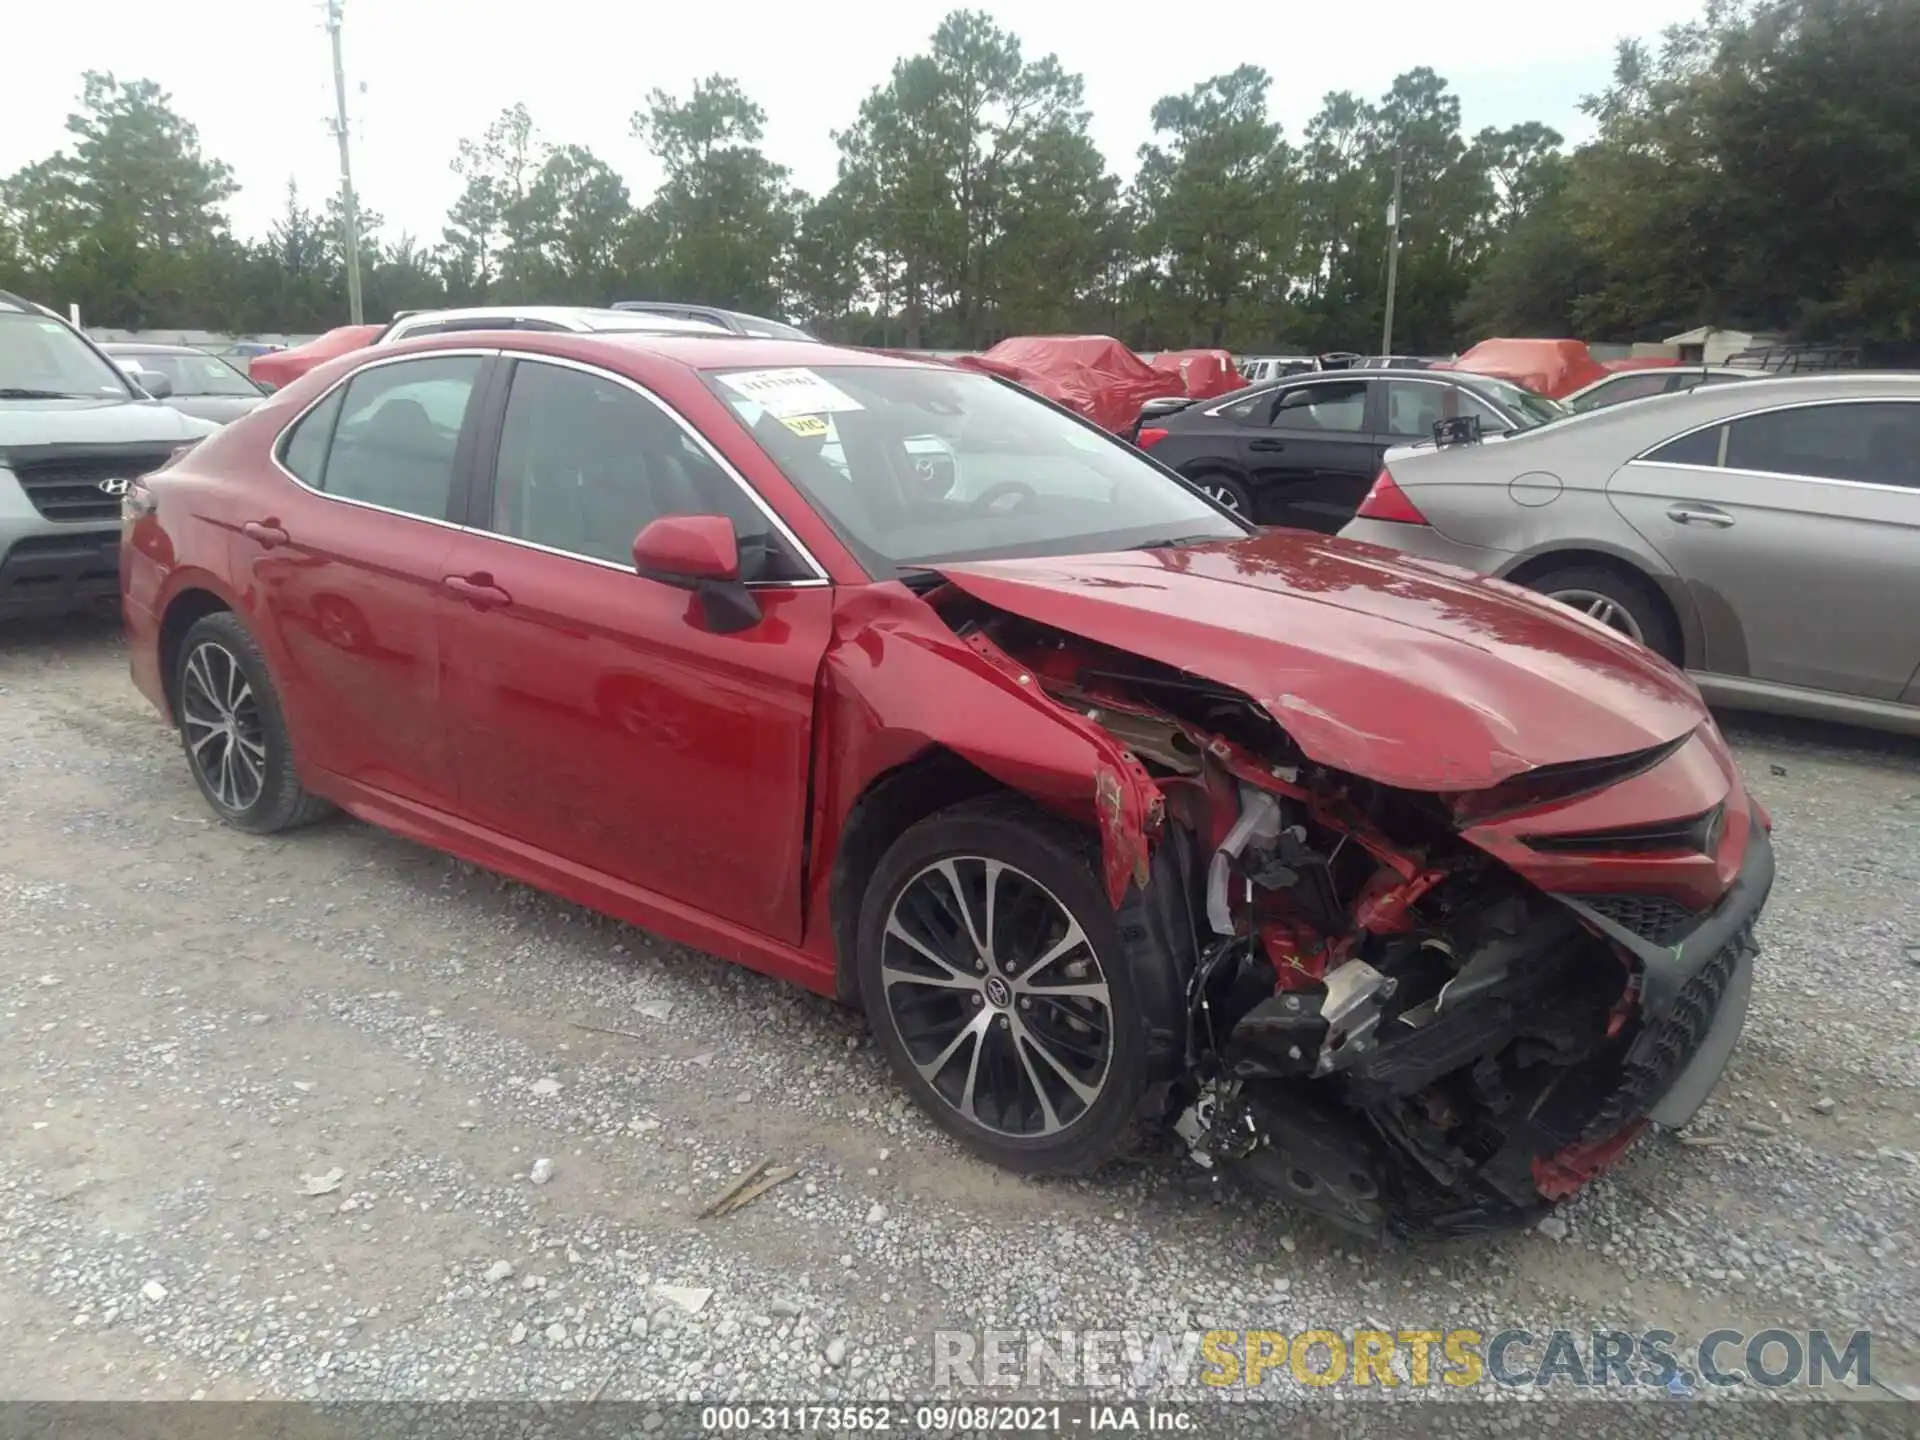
[221,717]
[997,996]
[1604,608]
[1221,495]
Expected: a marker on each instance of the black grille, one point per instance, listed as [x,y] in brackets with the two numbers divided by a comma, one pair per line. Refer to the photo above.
[67,486]
[1660,1056]
[1651,917]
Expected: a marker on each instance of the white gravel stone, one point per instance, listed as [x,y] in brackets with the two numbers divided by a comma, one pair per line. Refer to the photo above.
[542,1171]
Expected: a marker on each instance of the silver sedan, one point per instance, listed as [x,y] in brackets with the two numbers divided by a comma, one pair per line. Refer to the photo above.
[1765,534]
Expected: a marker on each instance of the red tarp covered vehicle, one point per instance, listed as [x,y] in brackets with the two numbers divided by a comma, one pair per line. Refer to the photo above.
[1093,375]
[1205,373]
[283,367]
[1554,368]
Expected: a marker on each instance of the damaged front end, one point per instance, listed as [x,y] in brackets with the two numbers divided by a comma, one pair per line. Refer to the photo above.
[1415,1012]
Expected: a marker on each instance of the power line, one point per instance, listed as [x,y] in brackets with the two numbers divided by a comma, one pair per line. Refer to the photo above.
[349,206]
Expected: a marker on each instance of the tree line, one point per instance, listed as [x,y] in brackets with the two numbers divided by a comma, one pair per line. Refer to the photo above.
[1754,167]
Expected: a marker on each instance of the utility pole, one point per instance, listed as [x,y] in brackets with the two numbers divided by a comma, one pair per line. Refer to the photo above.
[1393,254]
[349,207]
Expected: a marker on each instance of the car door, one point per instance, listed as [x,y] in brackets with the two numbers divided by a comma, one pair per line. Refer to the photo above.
[343,568]
[1798,531]
[592,714]
[1312,462]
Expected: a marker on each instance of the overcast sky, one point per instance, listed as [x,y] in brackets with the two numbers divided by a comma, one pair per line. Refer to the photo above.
[256,75]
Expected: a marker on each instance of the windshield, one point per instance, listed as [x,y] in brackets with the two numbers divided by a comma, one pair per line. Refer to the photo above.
[195,374]
[1535,408]
[916,466]
[39,356]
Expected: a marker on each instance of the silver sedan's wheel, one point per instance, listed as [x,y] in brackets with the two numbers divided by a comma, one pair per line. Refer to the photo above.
[997,996]
[220,717]
[1604,608]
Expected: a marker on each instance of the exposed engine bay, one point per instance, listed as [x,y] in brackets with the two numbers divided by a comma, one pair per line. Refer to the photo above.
[1377,1019]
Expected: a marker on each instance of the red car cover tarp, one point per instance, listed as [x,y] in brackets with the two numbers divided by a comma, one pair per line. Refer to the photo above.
[283,367]
[1093,375]
[1554,368]
[1205,373]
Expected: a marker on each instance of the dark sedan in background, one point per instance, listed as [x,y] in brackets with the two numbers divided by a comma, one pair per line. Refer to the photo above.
[1305,451]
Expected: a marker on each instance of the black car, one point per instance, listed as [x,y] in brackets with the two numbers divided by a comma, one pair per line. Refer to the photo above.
[1305,451]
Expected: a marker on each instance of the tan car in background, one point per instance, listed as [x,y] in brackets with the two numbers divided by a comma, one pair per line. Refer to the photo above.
[1765,535]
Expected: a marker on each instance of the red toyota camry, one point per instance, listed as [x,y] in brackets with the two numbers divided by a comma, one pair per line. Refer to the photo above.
[1409,896]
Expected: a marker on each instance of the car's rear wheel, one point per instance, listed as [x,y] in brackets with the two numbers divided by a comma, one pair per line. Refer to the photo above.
[1226,492]
[991,970]
[233,731]
[1617,601]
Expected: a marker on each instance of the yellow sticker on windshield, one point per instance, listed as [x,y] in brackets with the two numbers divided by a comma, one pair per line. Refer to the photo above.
[810,427]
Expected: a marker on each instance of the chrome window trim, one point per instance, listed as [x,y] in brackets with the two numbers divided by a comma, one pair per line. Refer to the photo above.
[280,439]
[1292,382]
[820,576]
[1726,422]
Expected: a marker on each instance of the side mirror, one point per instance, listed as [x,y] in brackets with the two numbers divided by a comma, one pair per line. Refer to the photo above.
[699,553]
[154,383]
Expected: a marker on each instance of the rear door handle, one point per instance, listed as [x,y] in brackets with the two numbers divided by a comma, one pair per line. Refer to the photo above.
[478,590]
[1267,445]
[267,532]
[1707,515]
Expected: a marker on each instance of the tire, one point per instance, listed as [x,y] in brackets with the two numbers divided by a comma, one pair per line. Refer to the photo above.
[917,1006]
[245,769]
[1226,491]
[1622,602]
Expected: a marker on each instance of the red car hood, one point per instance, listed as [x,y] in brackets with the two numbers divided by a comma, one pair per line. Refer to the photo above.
[1389,667]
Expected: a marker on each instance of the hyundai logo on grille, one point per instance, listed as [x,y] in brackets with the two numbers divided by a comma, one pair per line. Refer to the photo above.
[117,485]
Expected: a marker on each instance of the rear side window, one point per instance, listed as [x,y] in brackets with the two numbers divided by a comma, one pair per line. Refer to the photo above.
[388,436]
[1702,447]
[1340,408]
[1875,442]
[304,451]
[1252,410]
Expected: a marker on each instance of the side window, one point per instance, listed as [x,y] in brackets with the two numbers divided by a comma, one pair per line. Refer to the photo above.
[1252,410]
[304,450]
[1702,447]
[1413,407]
[585,463]
[399,426]
[1630,387]
[1874,441]
[1340,408]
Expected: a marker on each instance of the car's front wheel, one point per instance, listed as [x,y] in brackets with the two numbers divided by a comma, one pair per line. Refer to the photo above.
[233,730]
[991,970]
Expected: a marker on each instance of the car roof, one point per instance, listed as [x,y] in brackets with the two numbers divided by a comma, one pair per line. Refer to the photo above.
[708,349]
[578,317]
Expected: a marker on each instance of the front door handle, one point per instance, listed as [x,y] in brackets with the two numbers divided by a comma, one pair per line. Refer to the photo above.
[1266,445]
[1707,515]
[267,532]
[478,590]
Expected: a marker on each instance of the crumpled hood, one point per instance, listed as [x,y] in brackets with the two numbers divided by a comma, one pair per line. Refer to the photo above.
[95,422]
[1403,671]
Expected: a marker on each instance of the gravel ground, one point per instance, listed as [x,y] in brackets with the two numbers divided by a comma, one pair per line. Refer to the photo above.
[198,1029]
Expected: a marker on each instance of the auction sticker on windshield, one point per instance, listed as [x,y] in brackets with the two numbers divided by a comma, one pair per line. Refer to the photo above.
[786,393]
[810,427]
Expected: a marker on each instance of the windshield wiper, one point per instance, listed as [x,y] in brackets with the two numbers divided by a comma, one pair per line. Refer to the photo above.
[18,392]
[1178,542]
